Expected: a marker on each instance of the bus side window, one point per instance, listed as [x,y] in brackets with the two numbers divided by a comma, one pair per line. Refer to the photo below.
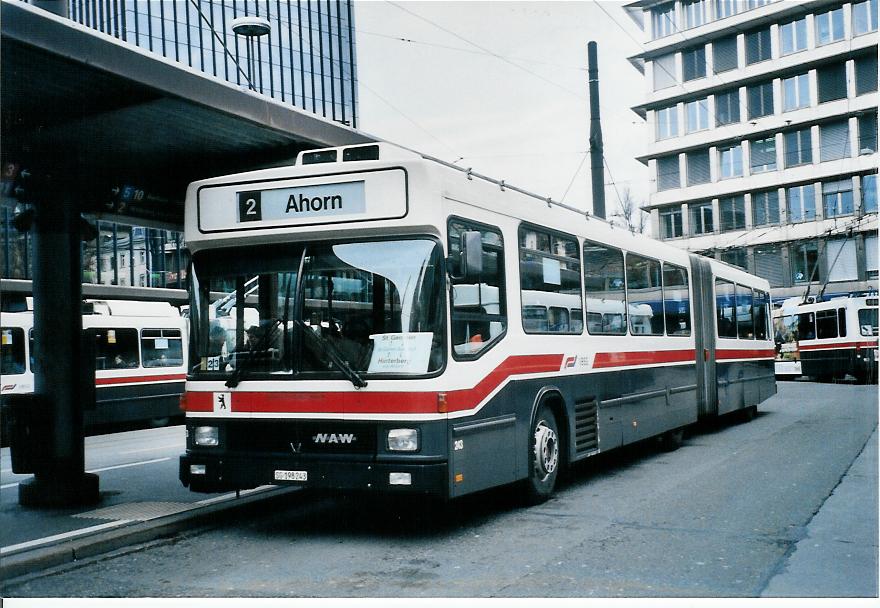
[550,280]
[744,321]
[604,284]
[806,326]
[676,300]
[759,312]
[116,348]
[479,310]
[11,350]
[161,347]
[644,295]
[826,324]
[841,322]
[725,308]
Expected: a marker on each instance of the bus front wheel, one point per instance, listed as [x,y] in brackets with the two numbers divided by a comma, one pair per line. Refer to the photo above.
[544,457]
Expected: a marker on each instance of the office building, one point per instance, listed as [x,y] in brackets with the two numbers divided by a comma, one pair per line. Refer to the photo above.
[762,146]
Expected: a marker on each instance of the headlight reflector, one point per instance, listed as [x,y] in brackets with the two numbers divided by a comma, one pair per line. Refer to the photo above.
[403,440]
[207,436]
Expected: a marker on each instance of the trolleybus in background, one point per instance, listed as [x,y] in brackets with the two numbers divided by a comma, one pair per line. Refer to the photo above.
[425,329]
[140,359]
[831,339]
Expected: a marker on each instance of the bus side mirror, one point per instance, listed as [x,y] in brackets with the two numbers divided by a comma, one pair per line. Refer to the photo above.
[470,260]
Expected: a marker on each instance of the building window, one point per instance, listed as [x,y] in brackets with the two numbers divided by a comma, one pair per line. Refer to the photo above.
[758,46]
[670,223]
[831,82]
[829,26]
[693,62]
[869,193]
[697,113]
[864,16]
[724,53]
[762,153]
[795,92]
[663,20]
[667,122]
[868,133]
[804,262]
[866,74]
[793,36]
[701,218]
[871,255]
[736,257]
[834,140]
[765,208]
[733,213]
[769,265]
[840,260]
[798,148]
[726,8]
[801,202]
[695,13]
[837,198]
[664,72]
[698,171]
[727,107]
[760,100]
[667,173]
[731,161]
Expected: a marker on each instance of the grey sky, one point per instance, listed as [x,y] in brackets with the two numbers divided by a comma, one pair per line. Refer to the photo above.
[504,85]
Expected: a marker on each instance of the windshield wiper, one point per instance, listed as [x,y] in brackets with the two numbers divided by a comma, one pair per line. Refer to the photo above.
[245,366]
[333,354]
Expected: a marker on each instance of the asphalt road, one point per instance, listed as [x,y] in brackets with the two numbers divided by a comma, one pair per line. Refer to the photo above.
[721,516]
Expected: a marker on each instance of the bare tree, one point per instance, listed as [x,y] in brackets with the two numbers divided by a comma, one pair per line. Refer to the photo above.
[630,214]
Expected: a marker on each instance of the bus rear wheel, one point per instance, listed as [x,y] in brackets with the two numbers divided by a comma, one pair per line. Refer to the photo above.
[544,457]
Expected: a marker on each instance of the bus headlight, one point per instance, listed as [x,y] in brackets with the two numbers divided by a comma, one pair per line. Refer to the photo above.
[207,436]
[403,440]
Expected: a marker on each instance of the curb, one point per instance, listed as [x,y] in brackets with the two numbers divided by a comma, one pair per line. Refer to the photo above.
[64,552]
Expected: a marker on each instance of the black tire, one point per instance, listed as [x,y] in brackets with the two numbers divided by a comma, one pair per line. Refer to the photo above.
[545,457]
[750,413]
[672,440]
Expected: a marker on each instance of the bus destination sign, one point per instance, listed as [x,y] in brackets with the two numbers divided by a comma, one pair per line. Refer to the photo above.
[307,202]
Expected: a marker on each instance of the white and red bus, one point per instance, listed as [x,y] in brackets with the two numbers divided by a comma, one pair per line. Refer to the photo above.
[391,322]
[838,337]
[140,359]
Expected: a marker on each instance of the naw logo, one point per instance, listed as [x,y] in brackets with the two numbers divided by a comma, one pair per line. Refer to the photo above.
[569,362]
[334,438]
[575,361]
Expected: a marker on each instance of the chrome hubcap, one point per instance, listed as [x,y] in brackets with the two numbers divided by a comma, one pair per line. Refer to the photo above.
[546,450]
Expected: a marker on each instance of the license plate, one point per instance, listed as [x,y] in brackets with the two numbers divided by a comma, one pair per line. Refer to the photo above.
[291,475]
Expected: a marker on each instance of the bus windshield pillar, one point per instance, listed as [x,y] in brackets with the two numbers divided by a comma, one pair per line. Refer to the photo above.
[59,464]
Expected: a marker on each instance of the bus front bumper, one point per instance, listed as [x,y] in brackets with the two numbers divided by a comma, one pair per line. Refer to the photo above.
[219,473]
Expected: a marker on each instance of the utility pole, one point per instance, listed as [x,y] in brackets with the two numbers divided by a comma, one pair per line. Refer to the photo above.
[597,174]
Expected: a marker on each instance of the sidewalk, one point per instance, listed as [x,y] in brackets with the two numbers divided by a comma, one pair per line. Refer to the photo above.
[838,556]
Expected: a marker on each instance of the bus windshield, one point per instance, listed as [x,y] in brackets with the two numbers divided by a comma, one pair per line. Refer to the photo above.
[323,310]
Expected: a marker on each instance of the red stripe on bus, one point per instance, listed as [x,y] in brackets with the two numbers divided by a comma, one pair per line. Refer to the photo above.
[133,379]
[377,403]
[838,345]
[604,360]
[749,353]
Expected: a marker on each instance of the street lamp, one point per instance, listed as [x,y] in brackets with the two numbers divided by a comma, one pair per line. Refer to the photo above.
[251,28]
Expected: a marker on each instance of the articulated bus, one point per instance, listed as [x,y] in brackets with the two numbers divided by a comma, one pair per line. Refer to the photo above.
[140,359]
[394,323]
[829,339]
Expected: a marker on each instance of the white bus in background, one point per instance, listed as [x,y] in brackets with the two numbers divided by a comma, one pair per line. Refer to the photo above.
[140,359]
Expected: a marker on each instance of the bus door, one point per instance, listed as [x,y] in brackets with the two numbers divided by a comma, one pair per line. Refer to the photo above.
[704,337]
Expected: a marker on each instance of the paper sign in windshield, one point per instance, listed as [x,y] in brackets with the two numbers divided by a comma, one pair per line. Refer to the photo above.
[407,353]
